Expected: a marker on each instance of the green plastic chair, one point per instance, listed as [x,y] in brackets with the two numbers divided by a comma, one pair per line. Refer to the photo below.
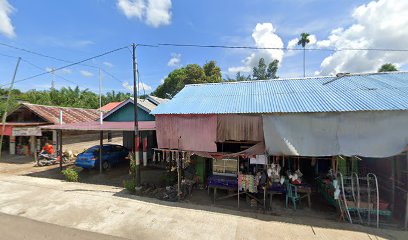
[292,194]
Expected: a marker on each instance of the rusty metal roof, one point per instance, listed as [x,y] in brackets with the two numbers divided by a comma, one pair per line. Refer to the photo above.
[69,114]
[109,106]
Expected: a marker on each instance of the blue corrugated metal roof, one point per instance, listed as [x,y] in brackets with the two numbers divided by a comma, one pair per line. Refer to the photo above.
[364,92]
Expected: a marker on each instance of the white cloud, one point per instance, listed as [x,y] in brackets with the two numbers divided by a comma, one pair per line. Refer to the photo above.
[174,60]
[264,35]
[132,8]
[153,12]
[242,69]
[86,73]
[158,12]
[108,64]
[6,27]
[142,87]
[378,24]
[64,70]
[162,79]
[293,43]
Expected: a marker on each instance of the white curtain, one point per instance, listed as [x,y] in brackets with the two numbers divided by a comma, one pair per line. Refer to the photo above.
[367,134]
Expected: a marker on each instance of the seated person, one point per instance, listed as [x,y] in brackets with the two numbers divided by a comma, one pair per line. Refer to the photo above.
[47,149]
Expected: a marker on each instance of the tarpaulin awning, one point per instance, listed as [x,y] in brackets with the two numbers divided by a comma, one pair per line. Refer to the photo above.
[257,149]
[367,134]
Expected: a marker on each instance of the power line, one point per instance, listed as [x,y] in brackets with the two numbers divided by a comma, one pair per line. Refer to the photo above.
[69,65]
[32,52]
[9,56]
[62,60]
[280,48]
[50,72]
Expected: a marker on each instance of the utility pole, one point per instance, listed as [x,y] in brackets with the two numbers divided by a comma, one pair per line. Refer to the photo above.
[136,132]
[7,105]
[304,60]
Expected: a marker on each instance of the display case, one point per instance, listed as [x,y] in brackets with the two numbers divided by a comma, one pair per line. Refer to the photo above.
[225,167]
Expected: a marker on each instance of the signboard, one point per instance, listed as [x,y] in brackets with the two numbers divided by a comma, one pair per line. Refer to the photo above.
[26,131]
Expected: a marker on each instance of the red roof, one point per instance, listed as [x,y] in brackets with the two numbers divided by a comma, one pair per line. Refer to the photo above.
[110,106]
[69,114]
[105,126]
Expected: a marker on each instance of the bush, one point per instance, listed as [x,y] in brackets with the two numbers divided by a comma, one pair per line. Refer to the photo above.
[130,185]
[71,175]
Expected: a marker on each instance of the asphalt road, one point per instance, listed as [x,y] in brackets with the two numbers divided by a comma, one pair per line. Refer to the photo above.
[19,228]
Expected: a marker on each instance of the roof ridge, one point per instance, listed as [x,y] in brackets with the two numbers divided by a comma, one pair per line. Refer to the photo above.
[34,104]
[297,78]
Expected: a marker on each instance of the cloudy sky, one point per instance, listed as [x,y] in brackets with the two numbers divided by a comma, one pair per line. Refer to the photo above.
[77,29]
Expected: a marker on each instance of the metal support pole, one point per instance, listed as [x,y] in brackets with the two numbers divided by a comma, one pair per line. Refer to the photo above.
[393,183]
[136,129]
[7,105]
[60,149]
[100,150]
[35,151]
[237,179]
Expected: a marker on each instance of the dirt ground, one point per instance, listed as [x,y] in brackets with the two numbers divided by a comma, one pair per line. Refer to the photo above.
[22,166]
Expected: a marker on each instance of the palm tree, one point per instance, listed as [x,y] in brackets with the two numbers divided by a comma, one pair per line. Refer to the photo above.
[304,40]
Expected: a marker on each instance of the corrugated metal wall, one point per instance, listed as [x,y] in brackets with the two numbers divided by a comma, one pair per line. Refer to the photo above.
[187,132]
[239,128]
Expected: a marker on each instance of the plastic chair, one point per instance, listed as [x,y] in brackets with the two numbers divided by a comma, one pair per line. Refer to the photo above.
[292,194]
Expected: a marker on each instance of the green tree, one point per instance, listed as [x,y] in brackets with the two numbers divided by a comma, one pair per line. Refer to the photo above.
[238,78]
[304,40]
[190,74]
[388,67]
[263,72]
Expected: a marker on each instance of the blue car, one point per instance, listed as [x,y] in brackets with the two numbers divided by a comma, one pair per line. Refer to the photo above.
[112,155]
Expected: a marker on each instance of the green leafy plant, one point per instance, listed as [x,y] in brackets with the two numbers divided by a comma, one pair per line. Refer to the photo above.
[129,185]
[71,175]
[132,164]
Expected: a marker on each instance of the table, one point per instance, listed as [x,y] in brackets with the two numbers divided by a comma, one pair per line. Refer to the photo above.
[222,182]
[305,189]
[275,189]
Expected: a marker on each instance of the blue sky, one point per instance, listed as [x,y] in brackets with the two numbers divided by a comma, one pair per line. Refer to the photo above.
[77,29]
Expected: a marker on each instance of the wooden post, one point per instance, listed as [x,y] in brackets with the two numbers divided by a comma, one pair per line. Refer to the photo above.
[7,106]
[178,174]
[60,149]
[35,149]
[100,150]
[237,179]
[393,183]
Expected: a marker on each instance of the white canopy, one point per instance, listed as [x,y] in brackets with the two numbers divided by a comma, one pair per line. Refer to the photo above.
[367,134]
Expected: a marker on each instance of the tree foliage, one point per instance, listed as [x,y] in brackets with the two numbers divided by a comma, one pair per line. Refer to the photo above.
[64,97]
[263,71]
[304,39]
[190,74]
[388,67]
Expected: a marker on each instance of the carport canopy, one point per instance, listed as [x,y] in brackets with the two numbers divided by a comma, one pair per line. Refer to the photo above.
[100,127]
[105,126]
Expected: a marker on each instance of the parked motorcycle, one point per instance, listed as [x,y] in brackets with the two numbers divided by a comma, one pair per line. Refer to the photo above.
[45,159]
